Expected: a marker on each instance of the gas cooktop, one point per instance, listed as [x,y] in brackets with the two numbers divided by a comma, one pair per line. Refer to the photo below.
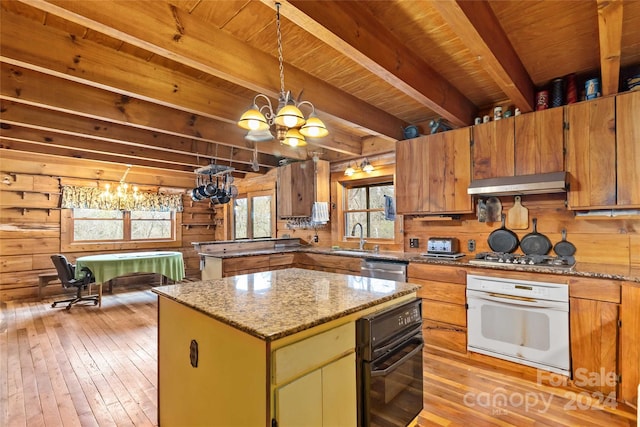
[521,260]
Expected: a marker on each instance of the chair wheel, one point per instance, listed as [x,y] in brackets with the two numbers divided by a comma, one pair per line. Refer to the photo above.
[95,302]
[53,305]
[68,307]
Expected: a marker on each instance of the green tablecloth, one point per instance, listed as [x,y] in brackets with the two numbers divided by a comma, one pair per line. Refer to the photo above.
[109,266]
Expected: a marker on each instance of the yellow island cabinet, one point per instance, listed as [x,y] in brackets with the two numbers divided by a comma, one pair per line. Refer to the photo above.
[270,348]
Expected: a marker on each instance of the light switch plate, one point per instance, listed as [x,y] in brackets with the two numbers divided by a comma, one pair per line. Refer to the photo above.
[414,243]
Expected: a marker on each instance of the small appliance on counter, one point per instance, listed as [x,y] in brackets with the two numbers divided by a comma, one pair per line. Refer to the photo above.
[443,248]
[443,245]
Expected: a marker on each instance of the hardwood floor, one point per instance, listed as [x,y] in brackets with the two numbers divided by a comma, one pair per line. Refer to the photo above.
[97,367]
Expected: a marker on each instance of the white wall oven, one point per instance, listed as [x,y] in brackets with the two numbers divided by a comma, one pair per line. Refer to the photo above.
[521,321]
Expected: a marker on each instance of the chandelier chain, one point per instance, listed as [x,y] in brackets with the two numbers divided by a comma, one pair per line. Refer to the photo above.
[280,58]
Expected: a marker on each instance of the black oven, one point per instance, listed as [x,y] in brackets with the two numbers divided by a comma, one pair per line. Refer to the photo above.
[389,365]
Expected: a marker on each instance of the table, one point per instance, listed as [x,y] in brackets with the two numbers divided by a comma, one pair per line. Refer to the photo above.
[109,266]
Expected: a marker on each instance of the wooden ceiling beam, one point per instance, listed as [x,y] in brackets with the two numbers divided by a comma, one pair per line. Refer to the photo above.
[68,167]
[23,85]
[15,113]
[610,35]
[152,26]
[355,32]
[479,29]
[50,141]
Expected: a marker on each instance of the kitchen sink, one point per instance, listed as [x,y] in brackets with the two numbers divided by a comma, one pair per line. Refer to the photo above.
[352,252]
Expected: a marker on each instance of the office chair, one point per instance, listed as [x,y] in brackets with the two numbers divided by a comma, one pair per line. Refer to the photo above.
[66,274]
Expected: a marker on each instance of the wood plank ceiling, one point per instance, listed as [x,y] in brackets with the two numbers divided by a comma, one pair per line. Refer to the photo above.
[160,84]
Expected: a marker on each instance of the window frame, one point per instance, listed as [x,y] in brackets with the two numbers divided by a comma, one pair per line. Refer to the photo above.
[68,244]
[382,175]
[249,196]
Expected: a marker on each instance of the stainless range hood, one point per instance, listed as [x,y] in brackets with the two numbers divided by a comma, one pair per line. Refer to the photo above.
[554,182]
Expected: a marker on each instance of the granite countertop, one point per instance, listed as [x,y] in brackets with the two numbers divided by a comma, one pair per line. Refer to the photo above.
[275,304]
[599,271]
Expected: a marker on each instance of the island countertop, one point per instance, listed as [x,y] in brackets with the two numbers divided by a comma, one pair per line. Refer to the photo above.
[274,304]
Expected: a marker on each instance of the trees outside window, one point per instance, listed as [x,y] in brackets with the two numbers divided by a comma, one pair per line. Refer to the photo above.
[364,204]
[93,225]
[254,216]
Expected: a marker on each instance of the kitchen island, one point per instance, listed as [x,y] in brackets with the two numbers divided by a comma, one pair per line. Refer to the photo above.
[247,349]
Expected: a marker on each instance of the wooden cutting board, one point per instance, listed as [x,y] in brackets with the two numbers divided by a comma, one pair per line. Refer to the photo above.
[518,216]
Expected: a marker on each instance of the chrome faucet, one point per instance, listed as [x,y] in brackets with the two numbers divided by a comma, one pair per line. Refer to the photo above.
[353,233]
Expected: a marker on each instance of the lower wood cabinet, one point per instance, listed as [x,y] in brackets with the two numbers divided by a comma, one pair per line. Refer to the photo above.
[629,343]
[594,319]
[328,263]
[255,264]
[444,311]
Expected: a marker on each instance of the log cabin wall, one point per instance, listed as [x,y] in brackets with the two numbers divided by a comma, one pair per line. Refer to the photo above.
[30,216]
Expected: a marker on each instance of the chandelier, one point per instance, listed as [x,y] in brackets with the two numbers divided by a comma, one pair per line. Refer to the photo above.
[123,191]
[288,122]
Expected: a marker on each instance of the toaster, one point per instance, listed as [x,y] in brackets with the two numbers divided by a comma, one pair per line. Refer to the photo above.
[443,245]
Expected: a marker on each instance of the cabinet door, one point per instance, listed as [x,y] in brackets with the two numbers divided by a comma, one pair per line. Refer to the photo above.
[412,176]
[295,189]
[493,149]
[339,394]
[539,142]
[628,149]
[594,340]
[591,154]
[449,171]
[299,403]
[630,343]
[324,397]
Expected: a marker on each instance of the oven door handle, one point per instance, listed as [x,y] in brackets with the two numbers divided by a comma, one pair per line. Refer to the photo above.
[521,301]
[381,350]
[383,372]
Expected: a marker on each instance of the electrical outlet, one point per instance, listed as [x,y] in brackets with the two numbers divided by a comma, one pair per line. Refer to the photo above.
[414,243]
[315,238]
[471,245]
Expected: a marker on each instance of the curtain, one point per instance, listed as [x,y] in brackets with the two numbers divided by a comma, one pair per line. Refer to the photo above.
[95,198]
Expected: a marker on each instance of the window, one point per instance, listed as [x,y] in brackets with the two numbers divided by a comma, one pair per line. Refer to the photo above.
[364,204]
[254,216]
[93,225]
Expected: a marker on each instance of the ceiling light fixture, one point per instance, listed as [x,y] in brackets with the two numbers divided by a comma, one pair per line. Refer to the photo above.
[365,166]
[290,125]
[122,191]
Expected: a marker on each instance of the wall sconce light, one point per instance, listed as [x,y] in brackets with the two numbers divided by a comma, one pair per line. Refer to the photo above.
[365,166]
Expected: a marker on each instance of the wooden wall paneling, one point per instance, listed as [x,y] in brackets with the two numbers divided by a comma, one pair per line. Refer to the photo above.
[29,246]
[30,199]
[628,149]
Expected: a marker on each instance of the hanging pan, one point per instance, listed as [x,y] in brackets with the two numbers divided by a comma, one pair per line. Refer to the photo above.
[535,243]
[502,239]
[564,248]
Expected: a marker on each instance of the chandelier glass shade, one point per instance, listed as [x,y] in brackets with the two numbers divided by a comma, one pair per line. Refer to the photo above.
[287,122]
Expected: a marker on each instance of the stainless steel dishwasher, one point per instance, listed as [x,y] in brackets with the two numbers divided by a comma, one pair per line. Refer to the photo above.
[384,269]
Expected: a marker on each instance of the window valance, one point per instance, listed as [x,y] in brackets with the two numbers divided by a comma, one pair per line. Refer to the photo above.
[96,198]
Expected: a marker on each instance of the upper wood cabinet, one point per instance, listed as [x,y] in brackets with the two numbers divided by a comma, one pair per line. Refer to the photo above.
[603,154]
[433,173]
[299,185]
[522,145]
